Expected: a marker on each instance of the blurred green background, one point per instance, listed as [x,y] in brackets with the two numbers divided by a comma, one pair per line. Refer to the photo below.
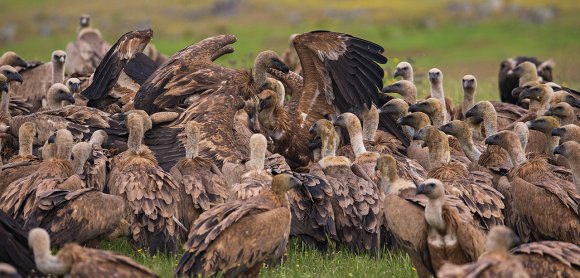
[459,37]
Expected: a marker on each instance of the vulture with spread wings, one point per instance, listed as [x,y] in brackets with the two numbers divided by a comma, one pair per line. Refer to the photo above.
[341,74]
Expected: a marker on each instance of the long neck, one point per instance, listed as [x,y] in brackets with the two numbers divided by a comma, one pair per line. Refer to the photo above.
[469,148]
[192,148]
[259,72]
[528,76]
[438,117]
[434,214]
[5,103]
[439,153]
[25,146]
[135,139]
[371,124]
[57,73]
[551,143]
[468,100]
[356,139]
[516,153]
[97,139]
[49,264]
[257,157]
[328,143]
[490,122]
[475,131]
[437,92]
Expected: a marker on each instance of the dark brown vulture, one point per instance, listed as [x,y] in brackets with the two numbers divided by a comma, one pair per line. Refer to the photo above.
[508,82]
[76,261]
[549,258]
[85,216]
[15,249]
[237,238]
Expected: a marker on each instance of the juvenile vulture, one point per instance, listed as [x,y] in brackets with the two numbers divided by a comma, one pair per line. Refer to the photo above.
[57,96]
[398,108]
[12,59]
[326,59]
[404,215]
[405,71]
[91,163]
[474,188]
[571,151]
[545,125]
[87,51]
[255,178]
[55,172]
[416,121]
[567,133]
[453,235]
[15,250]
[37,80]
[201,183]
[537,194]
[436,83]
[509,81]
[496,262]
[109,69]
[406,89]
[150,193]
[356,205]
[76,261]
[85,216]
[549,258]
[237,238]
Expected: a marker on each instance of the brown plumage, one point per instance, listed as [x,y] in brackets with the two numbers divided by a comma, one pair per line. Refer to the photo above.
[567,133]
[571,151]
[549,258]
[404,217]
[290,57]
[474,188]
[85,216]
[416,121]
[12,59]
[255,178]
[495,262]
[453,235]
[508,81]
[537,194]
[37,80]
[15,249]
[150,193]
[564,112]
[356,204]
[236,238]
[55,172]
[77,261]
[87,51]
[202,185]
[545,125]
[90,164]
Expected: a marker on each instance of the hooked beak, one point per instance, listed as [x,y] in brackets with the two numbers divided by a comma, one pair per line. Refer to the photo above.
[312,128]
[421,189]
[14,76]
[398,72]
[389,89]
[491,140]
[559,149]
[573,101]
[51,139]
[74,87]
[559,131]
[70,98]
[472,112]
[279,65]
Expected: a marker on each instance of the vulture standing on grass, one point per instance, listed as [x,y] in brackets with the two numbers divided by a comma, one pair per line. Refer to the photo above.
[85,216]
[537,195]
[237,238]
[453,235]
[508,81]
[37,80]
[76,261]
[87,51]
[151,194]
[15,249]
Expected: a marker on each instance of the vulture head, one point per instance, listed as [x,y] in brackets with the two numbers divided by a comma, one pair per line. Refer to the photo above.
[561,110]
[432,188]
[435,76]
[251,109]
[538,93]
[268,100]
[63,140]
[387,168]
[74,85]
[270,59]
[324,130]
[58,57]
[432,107]
[524,69]
[503,139]
[501,239]
[11,73]
[481,110]
[39,242]
[145,118]
[4,84]
[416,120]
[469,83]
[12,59]
[567,133]
[193,136]
[405,88]
[404,70]
[136,128]
[427,134]
[570,150]
[57,93]
[99,138]
[397,107]
[85,21]
[544,124]
[457,129]
[281,183]
[81,152]
[346,120]
[563,96]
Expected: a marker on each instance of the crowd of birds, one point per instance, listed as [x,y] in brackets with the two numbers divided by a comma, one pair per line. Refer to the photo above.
[228,164]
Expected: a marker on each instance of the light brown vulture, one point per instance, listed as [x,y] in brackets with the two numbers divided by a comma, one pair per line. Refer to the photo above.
[453,235]
[537,194]
[405,71]
[549,258]
[85,216]
[151,194]
[564,112]
[571,151]
[76,261]
[567,133]
[255,178]
[91,163]
[237,238]
[436,83]
[87,51]
[416,121]
[12,59]
[18,105]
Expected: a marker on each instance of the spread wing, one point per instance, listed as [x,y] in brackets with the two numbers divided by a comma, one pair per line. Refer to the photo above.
[112,64]
[544,258]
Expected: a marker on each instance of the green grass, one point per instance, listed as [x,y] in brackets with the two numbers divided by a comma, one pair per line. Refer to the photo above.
[303,261]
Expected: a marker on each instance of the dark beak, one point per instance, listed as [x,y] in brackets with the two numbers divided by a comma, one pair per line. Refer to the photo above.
[406,120]
[316,143]
[263,87]
[471,112]
[573,101]
[294,182]
[4,88]
[526,94]
[14,76]
[558,131]
[51,139]
[533,124]
[444,128]
[416,136]
[70,98]
[413,108]
[386,109]
[491,140]
[279,65]
[260,106]
[559,149]
[91,160]
[389,89]
[312,128]
[398,73]
[550,112]
[421,189]
[516,92]
[75,87]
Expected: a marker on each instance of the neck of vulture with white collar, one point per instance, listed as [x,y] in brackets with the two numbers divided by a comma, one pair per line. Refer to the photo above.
[57,72]
[26,139]
[370,123]
[136,132]
[258,145]
[39,241]
[437,92]
[64,144]
[354,133]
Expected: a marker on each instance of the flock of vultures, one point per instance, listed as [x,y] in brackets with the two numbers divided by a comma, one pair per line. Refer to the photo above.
[229,164]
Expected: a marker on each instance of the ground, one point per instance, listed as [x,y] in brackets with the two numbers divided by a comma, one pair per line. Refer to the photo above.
[458,37]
